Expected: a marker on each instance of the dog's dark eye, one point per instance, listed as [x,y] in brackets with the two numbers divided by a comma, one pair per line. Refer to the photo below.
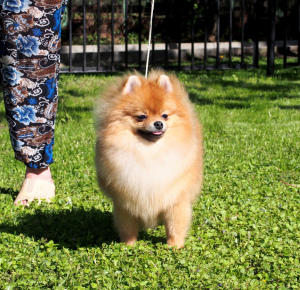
[142,117]
[164,116]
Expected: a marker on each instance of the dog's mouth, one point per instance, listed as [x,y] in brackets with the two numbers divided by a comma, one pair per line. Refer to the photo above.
[151,136]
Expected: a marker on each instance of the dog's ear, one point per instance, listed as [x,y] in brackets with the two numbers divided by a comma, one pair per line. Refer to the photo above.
[131,83]
[165,83]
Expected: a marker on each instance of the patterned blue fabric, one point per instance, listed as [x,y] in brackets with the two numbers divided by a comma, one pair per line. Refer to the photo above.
[30,40]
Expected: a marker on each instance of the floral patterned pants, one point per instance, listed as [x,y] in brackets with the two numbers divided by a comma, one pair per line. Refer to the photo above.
[30,41]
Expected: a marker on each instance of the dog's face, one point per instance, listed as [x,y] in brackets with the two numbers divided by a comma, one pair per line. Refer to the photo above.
[149,106]
[152,130]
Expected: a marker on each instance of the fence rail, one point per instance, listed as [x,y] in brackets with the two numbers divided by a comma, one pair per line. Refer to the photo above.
[110,35]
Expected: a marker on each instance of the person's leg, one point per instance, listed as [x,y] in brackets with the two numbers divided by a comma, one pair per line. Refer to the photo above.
[40,173]
[30,39]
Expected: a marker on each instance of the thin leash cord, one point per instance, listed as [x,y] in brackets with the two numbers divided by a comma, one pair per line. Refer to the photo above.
[149,41]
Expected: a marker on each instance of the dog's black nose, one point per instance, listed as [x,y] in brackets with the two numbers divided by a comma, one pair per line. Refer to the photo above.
[158,125]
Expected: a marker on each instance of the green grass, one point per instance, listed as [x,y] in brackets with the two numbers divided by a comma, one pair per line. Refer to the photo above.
[245,232]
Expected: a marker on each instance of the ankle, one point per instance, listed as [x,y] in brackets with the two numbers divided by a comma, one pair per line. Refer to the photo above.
[39,173]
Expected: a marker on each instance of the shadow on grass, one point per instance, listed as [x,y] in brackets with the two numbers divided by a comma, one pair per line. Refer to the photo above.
[2,114]
[231,106]
[290,107]
[200,101]
[148,236]
[2,119]
[257,90]
[9,191]
[69,228]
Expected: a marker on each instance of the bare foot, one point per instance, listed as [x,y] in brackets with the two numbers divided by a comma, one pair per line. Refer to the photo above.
[40,173]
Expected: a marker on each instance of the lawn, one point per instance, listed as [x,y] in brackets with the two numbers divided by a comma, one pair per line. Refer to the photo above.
[246,224]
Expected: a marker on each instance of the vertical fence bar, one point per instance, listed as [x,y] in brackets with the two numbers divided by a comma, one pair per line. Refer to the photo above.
[243,32]
[230,32]
[112,52]
[285,34]
[98,35]
[179,33]
[140,35]
[84,35]
[218,35]
[126,32]
[153,41]
[256,34]
[271,37]
[70,37]
[299,32]
[205,34]
[193,37]
[166,35]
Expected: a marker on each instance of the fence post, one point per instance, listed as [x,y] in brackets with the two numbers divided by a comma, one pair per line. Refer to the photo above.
[84,35]
[256,34]
[98,35]
[218,36]
[271,38]
[112,52]
[298,32]
[70,35]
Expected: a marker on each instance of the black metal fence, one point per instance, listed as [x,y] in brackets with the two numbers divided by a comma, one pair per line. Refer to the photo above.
[111,35]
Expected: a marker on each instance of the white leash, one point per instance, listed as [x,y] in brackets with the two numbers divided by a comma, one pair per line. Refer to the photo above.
[149,41]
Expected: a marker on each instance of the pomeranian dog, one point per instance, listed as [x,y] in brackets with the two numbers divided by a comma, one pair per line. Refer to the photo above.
[149,155]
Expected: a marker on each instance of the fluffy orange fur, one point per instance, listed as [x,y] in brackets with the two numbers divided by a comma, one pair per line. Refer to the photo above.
[149,154]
